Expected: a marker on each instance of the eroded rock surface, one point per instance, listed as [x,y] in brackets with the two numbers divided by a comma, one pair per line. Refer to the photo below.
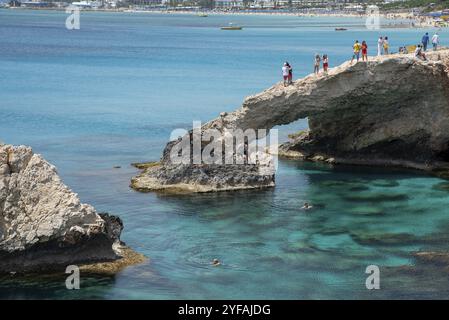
[392,110]
[43,224]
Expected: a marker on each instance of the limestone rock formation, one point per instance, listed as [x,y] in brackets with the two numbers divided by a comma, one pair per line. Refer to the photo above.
[43,224]
[392,110]
[170,177]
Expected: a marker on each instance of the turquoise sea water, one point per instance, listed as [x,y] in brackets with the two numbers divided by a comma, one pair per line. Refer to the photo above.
[110,93]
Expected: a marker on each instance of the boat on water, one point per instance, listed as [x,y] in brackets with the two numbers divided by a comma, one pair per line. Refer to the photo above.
[232,27]
[202,15]
[340,29]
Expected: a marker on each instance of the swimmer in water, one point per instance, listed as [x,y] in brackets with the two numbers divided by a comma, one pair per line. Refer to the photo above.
[216,262]
[306,206]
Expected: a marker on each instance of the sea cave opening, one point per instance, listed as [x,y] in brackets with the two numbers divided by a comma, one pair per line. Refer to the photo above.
[286,131]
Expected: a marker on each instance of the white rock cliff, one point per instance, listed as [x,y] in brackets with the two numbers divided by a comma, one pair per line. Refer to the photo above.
[43,224]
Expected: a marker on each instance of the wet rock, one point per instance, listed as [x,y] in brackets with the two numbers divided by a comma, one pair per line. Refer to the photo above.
[205,178]
[145,165]
[436,258]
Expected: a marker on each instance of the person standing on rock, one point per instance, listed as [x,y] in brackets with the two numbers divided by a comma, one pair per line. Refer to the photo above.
[316,65]
[286,73]
[386,45]
[425,41]
[325,63]
[364,51]
[290,74]
[435,41]
[380,45]
[357,47]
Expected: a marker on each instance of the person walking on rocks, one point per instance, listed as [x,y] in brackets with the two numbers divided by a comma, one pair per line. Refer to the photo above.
[435,41]
[425,41]
[380,45]
[316,65]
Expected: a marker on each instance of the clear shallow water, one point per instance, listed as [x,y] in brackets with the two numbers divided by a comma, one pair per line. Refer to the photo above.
[111,93]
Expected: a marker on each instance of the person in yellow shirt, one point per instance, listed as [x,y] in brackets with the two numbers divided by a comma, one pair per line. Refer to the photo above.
[357,47]
[386,45]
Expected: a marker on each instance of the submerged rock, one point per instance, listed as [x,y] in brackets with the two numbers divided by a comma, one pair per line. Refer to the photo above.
[390,111]
[442,186]
[43,225]
[436,258]
[389,239]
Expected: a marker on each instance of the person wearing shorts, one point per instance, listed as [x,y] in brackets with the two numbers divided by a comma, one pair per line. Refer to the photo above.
[364,51]
[286,73]
[316,64]
[325,63]
[356,47]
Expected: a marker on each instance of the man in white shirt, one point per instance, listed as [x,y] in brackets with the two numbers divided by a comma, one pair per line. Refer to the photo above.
[435,41]
[285,73]
[380,46]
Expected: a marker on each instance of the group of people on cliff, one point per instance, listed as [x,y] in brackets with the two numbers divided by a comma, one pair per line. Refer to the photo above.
[425,41]
[383,48]
[287,70]
[360,50]
[317,63]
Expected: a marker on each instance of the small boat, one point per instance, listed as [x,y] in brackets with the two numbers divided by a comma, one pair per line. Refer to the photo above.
[202,15]
[231,27]
[340,29]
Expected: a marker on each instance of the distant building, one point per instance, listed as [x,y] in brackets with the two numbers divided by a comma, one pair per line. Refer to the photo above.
[147,2]
[14,3]
[36,4]
[82,4]
[229,3]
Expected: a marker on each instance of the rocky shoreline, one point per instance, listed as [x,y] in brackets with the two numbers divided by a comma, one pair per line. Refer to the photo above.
[43,225]
[390,111]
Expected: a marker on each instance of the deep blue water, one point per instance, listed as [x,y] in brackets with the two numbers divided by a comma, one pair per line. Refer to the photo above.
[110,94]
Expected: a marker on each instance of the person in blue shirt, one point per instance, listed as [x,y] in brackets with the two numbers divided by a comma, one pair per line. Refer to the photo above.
[425,41]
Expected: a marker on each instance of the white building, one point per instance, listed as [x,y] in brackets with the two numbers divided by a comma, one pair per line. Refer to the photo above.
[229,3]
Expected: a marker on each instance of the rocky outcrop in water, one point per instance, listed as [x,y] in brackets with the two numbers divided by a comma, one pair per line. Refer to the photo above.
[43,224]
[170,177]
[392,110]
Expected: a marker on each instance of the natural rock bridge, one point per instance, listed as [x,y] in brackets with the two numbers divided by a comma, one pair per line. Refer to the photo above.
[392,110]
